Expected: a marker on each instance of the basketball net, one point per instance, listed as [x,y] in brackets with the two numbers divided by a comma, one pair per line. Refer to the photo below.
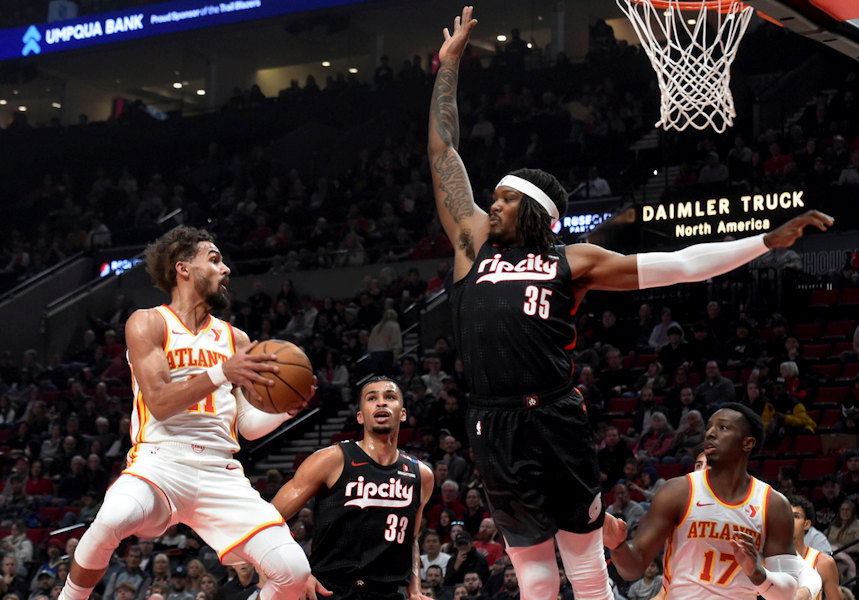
[692,58]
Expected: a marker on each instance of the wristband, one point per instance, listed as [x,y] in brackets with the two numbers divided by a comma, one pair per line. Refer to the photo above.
[216,374]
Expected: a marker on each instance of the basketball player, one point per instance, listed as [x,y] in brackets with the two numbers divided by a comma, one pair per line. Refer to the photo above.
[803,517]
[370,498]
[512,297]
[185,363]
[719,523]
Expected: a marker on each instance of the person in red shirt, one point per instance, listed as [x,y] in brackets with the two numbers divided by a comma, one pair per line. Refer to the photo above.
[486,541]
[449,499]
[777,162]
[36,483]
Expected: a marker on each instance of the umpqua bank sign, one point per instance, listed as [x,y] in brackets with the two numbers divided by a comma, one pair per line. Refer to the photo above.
[140,22]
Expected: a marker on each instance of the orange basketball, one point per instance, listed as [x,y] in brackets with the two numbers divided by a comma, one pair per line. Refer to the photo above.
[293,384]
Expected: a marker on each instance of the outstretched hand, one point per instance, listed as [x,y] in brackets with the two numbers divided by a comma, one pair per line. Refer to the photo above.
[613,531]
[454,45]
[787,234]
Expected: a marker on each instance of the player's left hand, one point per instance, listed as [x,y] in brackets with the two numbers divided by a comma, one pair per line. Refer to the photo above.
[312,589]
[613,531]
[787,234]
[746,553]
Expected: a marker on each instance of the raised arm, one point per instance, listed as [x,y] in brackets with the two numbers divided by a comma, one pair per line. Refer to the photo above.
[465,224]
[597,268]
[632,557]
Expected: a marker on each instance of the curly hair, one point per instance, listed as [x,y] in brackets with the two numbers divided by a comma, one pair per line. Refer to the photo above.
[176,245]
[534,225]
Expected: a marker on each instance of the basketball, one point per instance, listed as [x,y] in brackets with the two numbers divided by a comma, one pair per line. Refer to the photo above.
[293,384]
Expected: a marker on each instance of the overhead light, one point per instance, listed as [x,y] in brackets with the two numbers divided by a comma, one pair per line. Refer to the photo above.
[201,92]
[3,102]
[530,45]
[691,21]
[501,38]
[22,108]
[326,63]
[56,105]
[15,92]
[539,17]
[353,70]
[655,172]
[177,85]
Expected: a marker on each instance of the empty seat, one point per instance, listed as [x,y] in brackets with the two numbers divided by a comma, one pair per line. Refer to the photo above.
[669,471]
[840,329]
[815,468]
[807,331]
[807,445]
[827,371]
[622,406]
[822,298]
[816,350]
[771,466]
[830,395]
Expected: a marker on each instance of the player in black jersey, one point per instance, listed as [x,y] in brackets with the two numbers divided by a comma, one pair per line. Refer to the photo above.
[513,294]
[369,501]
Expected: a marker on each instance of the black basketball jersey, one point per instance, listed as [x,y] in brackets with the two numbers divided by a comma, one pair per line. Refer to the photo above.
[512,321]
[365,523]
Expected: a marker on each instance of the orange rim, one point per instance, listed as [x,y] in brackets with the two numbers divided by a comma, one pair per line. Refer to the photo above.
[720,5]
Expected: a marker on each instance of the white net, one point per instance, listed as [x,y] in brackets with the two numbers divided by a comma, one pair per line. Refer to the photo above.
[692,57]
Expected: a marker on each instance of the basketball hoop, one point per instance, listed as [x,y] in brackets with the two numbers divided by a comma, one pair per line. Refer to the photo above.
[691,56]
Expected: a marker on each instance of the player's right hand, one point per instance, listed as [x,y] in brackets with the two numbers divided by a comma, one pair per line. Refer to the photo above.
[244,369]
[312,588]
[613,531]
[454,45]
[785,235]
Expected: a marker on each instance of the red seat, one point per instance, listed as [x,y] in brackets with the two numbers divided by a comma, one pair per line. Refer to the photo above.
[851,370]
[821,298]
[744,375]
[832,395]
[840,329]
[771,466]
[813,469]
[807,331]
[828,371]
[622,425]
[669,471]
[829,417]
[50,514]
[839,347]
[807,445]
[407,435]
[622,406]
[38,534]
[627,361]
[850,295]
[694,379]
[816,350]
[642,360]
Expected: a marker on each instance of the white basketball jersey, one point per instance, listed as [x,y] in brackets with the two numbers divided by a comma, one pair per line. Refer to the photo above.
[699,561]
[211,423]
[810,559]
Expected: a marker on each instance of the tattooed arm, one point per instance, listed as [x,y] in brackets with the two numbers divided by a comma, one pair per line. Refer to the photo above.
[465,224]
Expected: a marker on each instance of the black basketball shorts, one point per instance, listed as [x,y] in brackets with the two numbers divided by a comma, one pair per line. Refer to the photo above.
[536,456]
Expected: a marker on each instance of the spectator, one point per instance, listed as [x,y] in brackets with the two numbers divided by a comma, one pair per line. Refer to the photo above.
[594,186]
[612,457]
[715,390]
[510,589]
[434,577]
[648,483]
[844,527]
[742,351]
[849,176]
[713,170]
[659,334]
[648,586]
[688,436]
[17,505]
[486,540]
[178,585]
[432,554]
[131,574]
[449,500]
[333,380]
[386,342]
[655,442]
[624,508]
[243,585]
[44,583]
[850,475]
[686,403]
[457,468]
[466,560]
[652,377]
[11,582]
[675,353]
[475,512]
[160,568]
[173,538]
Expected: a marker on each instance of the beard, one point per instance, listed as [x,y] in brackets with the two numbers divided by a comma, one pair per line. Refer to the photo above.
[217,300]
[381,429]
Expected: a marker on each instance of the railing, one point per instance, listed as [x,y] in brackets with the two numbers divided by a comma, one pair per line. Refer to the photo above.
[39,276]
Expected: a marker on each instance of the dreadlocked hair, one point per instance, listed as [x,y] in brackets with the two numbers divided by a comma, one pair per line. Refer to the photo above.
[534,224]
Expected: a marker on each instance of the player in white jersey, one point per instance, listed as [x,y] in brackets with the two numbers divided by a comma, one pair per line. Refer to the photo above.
[185,364]
[728,534]
[803,517]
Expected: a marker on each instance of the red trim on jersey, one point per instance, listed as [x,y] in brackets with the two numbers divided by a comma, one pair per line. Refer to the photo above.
[248,536]
[723,502]
[188,329]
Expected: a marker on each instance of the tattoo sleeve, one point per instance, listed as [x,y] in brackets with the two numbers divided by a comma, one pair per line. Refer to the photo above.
[444,114]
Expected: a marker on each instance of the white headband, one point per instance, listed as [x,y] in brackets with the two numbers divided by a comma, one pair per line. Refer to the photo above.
[529,189]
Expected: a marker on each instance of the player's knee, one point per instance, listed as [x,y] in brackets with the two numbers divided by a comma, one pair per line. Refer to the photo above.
[286,568]
[538,583]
